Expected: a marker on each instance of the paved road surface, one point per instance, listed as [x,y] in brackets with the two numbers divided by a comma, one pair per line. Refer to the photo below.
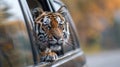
[104,59]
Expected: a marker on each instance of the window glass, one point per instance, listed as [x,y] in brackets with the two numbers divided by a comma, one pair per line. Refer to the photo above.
[15,49]
[56,6]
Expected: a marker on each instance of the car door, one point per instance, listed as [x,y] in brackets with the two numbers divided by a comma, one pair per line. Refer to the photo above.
[70,51]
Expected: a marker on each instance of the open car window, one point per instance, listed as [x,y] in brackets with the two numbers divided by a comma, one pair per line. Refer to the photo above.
[50,44]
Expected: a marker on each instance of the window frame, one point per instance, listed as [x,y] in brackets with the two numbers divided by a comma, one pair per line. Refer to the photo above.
[29,25]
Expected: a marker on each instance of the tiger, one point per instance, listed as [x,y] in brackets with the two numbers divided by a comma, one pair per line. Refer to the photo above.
[52,32]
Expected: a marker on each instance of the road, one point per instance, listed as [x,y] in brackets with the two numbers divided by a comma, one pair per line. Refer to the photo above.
[104,59]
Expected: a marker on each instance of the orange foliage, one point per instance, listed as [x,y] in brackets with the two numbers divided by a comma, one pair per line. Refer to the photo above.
[92,17]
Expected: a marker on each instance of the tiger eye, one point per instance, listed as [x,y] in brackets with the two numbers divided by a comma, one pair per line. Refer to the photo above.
[61,26]
[49,27]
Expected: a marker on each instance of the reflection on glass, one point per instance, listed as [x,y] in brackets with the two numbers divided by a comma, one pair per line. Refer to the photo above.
[15,49]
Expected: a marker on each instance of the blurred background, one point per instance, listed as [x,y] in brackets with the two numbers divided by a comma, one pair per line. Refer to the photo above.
[97,23]
[98,26]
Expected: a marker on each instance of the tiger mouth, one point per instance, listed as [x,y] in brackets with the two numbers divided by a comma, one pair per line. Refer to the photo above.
[55,42]
[55,48]
[55,45]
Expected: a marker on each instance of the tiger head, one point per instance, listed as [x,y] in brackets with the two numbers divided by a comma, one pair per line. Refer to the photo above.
[54,27]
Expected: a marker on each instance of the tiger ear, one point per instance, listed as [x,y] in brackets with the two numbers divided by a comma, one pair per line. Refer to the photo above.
[40,10]
[61,11]
[41,15]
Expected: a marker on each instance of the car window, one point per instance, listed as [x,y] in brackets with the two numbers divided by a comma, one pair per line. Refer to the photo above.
[35,4]
[15,47]
[69,43]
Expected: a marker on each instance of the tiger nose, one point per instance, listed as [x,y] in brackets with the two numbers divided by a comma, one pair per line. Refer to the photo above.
[57,37]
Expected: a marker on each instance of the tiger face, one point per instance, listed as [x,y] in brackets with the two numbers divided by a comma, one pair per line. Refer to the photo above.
[53,26]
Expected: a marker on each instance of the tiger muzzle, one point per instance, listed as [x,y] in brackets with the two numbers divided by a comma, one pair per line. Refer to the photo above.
[58,35]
